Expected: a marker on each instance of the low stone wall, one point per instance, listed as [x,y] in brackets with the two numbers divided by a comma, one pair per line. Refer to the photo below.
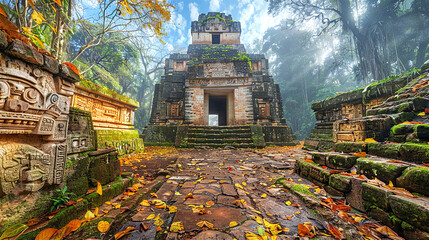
[125,141]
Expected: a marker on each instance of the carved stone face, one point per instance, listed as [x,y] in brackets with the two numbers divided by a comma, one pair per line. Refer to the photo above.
[23,168]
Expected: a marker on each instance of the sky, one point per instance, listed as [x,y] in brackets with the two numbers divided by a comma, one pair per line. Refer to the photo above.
[253,15]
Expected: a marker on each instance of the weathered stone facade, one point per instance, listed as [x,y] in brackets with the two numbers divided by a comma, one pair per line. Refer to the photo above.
[35,93]
[216,77]
[112,117]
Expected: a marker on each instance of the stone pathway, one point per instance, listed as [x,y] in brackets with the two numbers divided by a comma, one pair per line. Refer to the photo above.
[223,186]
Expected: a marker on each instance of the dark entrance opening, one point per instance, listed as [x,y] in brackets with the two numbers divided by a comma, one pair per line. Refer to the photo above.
[217,105]
[215,38]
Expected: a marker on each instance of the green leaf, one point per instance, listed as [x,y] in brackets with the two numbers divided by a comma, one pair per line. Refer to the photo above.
[14,230]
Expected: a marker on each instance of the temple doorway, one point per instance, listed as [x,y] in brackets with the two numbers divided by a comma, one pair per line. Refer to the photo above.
[217,107]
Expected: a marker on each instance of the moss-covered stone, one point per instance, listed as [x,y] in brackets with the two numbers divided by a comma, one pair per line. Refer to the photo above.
[301,189]
[78,186]
[337,161]
[125,141]
[384,150]
[105,168]
[304,167]
[319,174]
[160,134]
[382,170]
[115,189]
[376,196]
[340,182]
[104,90]
[67,214]
[350,147]
[414,211]
[413,152]
[257,135]
[319,158]
[415,180]
[379,215]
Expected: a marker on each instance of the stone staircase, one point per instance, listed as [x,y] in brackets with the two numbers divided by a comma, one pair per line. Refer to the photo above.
[377,183]
[218,137]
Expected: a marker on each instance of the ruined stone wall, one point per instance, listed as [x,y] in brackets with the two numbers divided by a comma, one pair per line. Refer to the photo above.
[112,117]
[35,95]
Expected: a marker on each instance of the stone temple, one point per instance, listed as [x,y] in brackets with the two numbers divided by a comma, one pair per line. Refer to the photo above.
[217,86]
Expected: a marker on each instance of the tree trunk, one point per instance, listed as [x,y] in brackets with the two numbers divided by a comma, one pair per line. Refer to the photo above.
[420,58]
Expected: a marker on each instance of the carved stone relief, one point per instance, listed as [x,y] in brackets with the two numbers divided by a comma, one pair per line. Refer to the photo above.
[219,69]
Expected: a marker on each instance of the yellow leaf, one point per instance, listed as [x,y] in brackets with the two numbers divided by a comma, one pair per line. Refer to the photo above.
[204,223]
[257,219]
[89,215]
[288,203]
[370,140]
[239,186]
[145,203]
[317,190]
[57,2]
[96,211]
[252,236]
[177,193]
[421,114]
[103,226]
[37,17]
[99,188]
[154,195]
[152,216]
[158,221]
[264,195]
[244,183]
[176,227]
[233,224]
[172,209]
[108,203]
[117,206]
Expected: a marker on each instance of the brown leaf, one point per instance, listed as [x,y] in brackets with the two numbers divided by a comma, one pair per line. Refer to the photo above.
[63,232]
[304,231]
[144,226]
[334,231]
[103,226]
[90,191]
[124,232]
[74,224]
[33,222]
[46,234]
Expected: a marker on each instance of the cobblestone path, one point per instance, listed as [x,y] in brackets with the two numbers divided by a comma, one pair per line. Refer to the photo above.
[223,188]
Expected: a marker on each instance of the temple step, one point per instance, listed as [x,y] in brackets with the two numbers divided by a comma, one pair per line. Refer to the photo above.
[220,136]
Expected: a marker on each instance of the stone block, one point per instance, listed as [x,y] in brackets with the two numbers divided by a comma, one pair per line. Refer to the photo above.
[340,182]
[3,40]
[350,147]
[320,174]
[67,73]
[25,52]
[413,152]
[319,157]
[51,64]
[354,197]
[380,168]
[339,161]
[376,196]
[415,180]
[414,211]
[384,150]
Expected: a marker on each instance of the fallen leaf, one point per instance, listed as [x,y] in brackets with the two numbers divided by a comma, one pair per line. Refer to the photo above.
[33,221]
[151,216]
[89,215]
[288,203]
[46,234]
[144,226]
[14,230]
[202,224]
[233,224]
[172,209]
[386,231]
[370,140]
[360,154]
[122,233]
[334,231]
[158,221]
[304,231]
[103,226]
[145,203]
[264,195]
[60,234]
[210,203]
[176,227]
[252,236]
[99,188]
[74,224]
[154,195]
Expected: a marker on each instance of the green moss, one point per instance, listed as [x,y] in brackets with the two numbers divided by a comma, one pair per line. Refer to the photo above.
[415,180]
[407,227]
[340,161]
[382,170]
[376,196]
[340,182]
[78,186]
[414,152]
[301,189]
[384,150]
[409,211]
[350,147]
[104,90]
